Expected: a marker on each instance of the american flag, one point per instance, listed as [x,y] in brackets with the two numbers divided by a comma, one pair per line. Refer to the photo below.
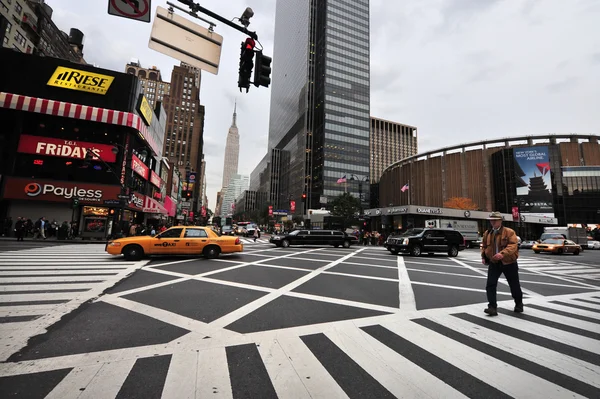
[342,180]
[404,188]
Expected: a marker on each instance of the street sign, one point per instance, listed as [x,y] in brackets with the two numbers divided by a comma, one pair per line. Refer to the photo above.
[186,204]
[192,178]
[122,196]
[185,41]
[138,10]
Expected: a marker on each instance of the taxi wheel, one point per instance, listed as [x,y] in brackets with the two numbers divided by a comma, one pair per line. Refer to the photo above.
[576,252]
[559,252]
[211,252]
[133,252]
[537,252]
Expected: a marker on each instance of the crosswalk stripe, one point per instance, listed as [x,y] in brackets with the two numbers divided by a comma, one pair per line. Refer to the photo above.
[108,381]
[181,377]
[70,387]
[317,381]
[590,312]
[213,375]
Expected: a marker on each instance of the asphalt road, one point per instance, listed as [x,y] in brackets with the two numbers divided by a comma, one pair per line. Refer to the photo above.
[313,321]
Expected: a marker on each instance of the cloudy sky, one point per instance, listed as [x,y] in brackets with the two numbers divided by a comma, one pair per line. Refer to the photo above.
[459,70]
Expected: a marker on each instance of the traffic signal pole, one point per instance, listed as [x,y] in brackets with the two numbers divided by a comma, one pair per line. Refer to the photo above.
[197,8]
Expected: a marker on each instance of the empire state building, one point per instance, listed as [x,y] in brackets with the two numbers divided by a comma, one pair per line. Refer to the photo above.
[232,152]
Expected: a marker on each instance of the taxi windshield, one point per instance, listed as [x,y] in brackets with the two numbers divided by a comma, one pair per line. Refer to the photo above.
[553,241]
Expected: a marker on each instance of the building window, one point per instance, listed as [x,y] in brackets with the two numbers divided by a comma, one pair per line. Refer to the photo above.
[19,38]
[4,8]
[18,8]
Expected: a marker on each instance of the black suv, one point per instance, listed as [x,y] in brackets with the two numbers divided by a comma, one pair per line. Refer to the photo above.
[314,237]
[418,241]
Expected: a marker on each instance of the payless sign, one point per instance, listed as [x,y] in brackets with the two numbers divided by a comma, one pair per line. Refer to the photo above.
[76,79]
[58,191]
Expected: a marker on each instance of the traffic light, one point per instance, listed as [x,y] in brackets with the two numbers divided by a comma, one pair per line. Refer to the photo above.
[187,194]
[246,64]
[262,72]
[303,196]
[111,212]
[75,202]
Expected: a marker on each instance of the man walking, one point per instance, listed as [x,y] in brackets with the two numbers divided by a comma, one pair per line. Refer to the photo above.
[499,250]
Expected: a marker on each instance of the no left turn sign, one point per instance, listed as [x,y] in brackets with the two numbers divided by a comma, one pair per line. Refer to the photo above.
[138,10]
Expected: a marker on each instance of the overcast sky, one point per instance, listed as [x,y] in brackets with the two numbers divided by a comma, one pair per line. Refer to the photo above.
[459,70]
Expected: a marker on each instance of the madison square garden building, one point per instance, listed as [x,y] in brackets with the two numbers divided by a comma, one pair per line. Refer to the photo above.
[535,181]
[319,119]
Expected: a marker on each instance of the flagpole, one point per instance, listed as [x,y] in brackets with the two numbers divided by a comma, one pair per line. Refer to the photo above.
[345,186]
[409,192]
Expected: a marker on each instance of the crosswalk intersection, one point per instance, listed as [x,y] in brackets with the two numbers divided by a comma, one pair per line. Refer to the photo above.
[553,350]
[41,285]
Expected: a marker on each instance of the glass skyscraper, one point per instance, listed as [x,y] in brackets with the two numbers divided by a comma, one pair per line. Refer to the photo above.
[319,116]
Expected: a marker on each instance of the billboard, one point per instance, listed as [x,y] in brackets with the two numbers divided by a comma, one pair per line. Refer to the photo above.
[533,181]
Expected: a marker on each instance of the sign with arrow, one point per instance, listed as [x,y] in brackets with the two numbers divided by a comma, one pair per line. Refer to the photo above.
[138,10]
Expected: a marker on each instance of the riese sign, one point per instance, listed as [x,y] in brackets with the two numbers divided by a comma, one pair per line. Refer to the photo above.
[64,148]
[76,79]
[58,191]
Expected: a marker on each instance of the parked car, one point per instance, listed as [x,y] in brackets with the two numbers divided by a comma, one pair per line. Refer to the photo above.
[314,237]
[178,240]
[419,241]
[594,244]
[527,244]
[557,246]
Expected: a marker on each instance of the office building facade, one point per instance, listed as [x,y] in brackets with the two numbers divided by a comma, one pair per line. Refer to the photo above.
[319,116]
[389,143]
[153,87]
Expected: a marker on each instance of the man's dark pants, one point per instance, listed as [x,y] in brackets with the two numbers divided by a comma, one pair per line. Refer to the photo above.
[511,272]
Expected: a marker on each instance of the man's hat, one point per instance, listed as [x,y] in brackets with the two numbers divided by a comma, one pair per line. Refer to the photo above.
[495,216]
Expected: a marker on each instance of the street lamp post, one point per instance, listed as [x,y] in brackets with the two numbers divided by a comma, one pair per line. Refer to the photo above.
[360,182]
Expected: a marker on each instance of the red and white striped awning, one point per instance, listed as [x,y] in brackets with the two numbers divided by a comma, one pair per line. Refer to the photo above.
[78,111]
[153,206]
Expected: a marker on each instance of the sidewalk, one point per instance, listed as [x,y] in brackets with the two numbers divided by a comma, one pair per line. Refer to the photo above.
[77,240]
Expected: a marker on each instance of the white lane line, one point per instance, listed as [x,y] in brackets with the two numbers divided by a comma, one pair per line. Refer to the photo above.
[346,302]
[254,305]
[454,287]
[76,381]
[181,377]
[406,293]
[213,375]
[108,381]
[285,378]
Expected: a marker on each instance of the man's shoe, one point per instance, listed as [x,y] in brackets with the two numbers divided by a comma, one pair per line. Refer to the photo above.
[491,311]
[519,308]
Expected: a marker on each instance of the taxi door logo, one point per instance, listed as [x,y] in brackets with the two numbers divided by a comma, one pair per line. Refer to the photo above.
[33,189]
[75,79]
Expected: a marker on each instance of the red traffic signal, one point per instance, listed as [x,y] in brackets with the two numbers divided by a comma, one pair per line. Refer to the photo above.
[249,43]
[303,195]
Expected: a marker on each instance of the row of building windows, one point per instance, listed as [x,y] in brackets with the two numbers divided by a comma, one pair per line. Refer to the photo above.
[345,139]
[348,45]
[350,30]
[345,53]
[349,103]
[346,166]
[349,120]
[351,5]
[341,16]
[348,77]
[338,83]
[361,40]
[347,130]
[356,71]
[346,110]
[348,61]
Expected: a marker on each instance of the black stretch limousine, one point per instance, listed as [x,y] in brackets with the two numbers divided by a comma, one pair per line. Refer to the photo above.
[314,237]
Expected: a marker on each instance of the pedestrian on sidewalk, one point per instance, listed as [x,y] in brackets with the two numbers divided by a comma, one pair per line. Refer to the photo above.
[499,250]
[20,229]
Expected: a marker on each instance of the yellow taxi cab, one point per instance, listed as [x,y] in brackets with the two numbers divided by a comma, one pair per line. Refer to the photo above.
[557,246]
[178,240]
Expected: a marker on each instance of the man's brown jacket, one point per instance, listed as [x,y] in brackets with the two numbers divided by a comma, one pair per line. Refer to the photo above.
[507,245]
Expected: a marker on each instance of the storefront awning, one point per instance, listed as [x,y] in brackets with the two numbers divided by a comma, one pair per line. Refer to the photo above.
[78,111]
[153,206]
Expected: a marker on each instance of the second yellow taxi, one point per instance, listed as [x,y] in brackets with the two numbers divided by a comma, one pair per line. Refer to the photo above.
[178,240]
[557,246]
